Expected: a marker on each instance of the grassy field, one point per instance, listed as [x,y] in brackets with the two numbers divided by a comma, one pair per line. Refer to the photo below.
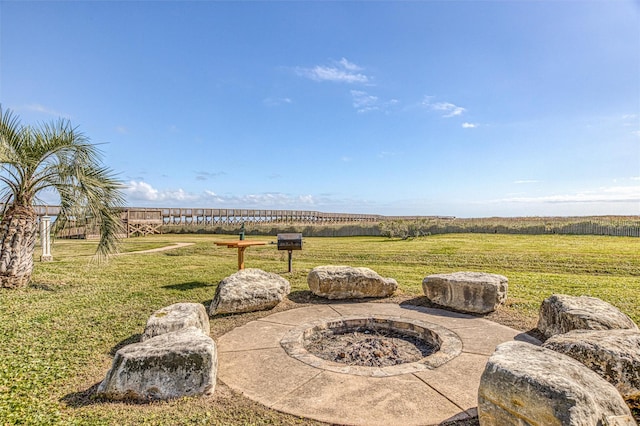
[58,336]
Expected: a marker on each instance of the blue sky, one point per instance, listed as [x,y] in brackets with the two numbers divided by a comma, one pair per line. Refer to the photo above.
[470,109]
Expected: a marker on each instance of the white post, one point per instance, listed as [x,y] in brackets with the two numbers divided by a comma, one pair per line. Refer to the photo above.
[45,239]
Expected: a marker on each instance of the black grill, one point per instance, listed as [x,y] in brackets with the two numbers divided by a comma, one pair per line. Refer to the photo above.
[289,241]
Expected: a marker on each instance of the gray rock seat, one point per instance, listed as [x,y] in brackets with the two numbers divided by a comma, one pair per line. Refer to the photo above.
[249,290]
[476,292]
[613,354]
[561,313]
[523,384]
[348,282]
[177,317]
[170,365]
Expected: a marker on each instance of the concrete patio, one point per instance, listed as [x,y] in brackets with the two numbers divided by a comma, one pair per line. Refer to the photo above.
[253,362]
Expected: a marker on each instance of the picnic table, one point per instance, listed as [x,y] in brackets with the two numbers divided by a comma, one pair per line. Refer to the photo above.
[241,245]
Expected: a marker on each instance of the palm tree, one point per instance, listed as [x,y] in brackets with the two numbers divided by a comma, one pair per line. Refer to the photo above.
[53,157]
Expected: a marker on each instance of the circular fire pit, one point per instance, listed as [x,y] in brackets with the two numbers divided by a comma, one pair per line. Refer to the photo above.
[369,347]
[372,346]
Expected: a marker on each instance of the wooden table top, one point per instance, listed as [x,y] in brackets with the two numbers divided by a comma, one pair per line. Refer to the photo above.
[240,243]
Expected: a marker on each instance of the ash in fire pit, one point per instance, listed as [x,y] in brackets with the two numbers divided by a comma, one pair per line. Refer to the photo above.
[369,347]
[375,346]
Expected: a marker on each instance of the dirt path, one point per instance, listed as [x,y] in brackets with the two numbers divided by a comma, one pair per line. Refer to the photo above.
[171,247]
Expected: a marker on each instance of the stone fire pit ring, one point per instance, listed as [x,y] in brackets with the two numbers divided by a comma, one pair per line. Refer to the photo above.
[448,345]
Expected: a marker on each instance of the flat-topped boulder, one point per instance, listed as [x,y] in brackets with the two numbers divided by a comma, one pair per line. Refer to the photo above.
[613,354]
[177,317]
[523,384]
[348,282]
[249,290]
[477,292]
[561,313]
[170,365]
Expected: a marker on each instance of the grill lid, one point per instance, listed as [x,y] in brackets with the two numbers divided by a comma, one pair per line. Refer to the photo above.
[290,241]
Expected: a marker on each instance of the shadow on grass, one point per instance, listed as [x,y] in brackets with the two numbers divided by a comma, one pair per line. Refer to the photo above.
[207,304]
[40,286]
[89,397]
[135,338]
[188,286]
[82,398]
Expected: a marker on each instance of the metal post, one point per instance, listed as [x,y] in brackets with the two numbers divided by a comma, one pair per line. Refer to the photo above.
[45,239]
[290,259]
[242,231]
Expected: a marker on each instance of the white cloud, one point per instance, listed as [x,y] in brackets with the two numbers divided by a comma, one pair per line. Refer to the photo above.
[526,181]
[203,175]
[447,108]
[272,102]
[363,102]
[323,202]
[45,110]
[273,199]
[264,200]
[142,191]
[213,197]
[614,194]
[122,130]
[387,154]
[321,73]
[141,194]
[466,125]
[340,72]
[349,65]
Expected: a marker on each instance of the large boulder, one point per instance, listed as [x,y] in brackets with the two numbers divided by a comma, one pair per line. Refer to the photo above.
[561,313]
[477,292]
[170,365]
[249,290]
[523,384]
[347,282]
[613,354]
[177,317]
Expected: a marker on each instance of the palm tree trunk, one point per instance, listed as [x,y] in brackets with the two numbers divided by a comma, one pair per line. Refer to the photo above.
[17,243]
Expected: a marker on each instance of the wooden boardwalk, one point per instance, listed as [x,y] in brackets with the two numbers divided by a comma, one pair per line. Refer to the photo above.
[147,221]
[198,216]
[238,216]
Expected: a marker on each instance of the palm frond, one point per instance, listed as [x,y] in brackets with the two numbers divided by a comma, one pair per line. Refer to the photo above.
[58,156]
[11,135]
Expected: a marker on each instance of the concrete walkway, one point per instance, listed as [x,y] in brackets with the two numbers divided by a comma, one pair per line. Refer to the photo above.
[252,361]
[165,248]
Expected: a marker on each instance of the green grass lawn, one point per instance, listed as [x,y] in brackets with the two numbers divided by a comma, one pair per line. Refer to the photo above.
[58,336]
